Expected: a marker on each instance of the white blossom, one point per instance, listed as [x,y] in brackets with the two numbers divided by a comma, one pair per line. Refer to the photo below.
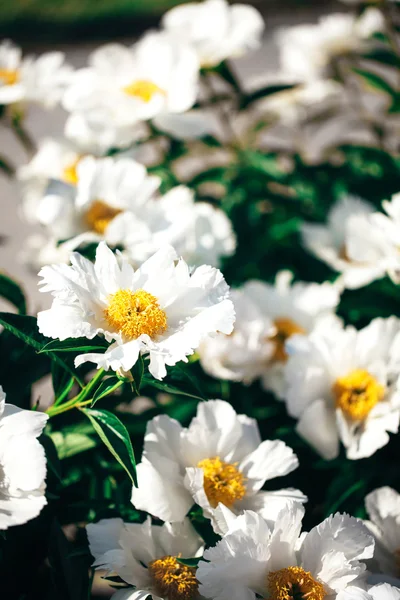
[22,464]
[215,30]
[346,381]
[268,559]
[183,466]
[161,309]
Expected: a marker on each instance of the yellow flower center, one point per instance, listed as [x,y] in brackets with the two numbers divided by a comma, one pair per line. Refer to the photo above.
[223,482]
[143,89]
[294,583]
[285,328]
[69,173]
[9,76]
[357,393]
[100,215]
[173,580]
[135,313]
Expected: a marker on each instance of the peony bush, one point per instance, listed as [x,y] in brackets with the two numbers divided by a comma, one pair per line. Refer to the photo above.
[218,346]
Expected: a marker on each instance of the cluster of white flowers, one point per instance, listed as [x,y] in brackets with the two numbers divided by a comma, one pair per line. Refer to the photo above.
[358,241]
[154,295]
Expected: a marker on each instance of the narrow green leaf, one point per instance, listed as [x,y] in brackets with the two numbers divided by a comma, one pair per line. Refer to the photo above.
[75,345]
[190,562]
[264,92]
[25,328]
[62,382]
[115,436]
[11,291]
[106,387]
[376,82]
[169,389]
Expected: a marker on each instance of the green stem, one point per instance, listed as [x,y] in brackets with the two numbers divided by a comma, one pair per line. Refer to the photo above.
[83,394]
[65,392]
[22,135]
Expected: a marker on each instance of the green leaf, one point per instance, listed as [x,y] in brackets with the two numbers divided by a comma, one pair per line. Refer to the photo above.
[169,389]
[11,291]
[77,345]
[190,562]
[376,82]
[267,165]
[115,436]
[70,443]
[25,328]
[62,382]
[106,387]
[395,106]
[264,92]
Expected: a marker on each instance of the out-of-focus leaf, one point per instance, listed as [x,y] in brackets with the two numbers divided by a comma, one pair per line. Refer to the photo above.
[375,81]
[11,291]
[267,165]
[264,92]
[115,436]
[70,443]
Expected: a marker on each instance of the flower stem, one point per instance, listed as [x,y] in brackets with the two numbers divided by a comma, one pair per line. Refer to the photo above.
[22,135]
[77,400]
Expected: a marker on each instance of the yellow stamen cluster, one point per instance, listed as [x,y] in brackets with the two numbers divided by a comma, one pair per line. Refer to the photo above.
[173,580]
[223,482]
[135,313]
[100,215]
[69,173]
[294,583]
[9,76]
[357,393]
[143,89]
[285,328]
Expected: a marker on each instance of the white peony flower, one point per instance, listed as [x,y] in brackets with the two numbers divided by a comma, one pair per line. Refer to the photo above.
[92,196]
[245,353]
[306,51]
[161,309]
[388,227]
[89,199]
[382,591]
[383,508]
[219,458]
[267,316]
[216,30]
[145,556]
[278,562]
[350,243]
[22,464]
[199,232]
[55,159]
[123,86]
[40,80]
[347,382]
